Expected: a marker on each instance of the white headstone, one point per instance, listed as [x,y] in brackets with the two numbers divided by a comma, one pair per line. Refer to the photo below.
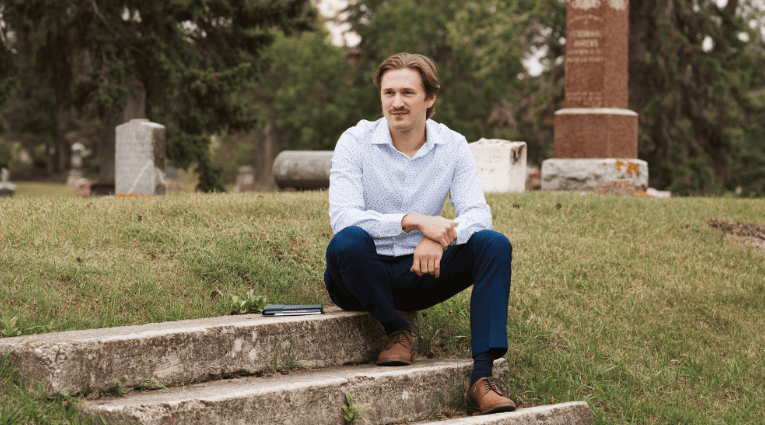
[501,165]
[7,189]
[140,158]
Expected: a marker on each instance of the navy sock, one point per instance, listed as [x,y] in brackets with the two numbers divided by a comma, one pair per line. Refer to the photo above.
[482,365]
[396,325]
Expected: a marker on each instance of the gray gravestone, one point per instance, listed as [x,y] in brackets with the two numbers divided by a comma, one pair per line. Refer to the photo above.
[245,180]
[140,158]
[6,188]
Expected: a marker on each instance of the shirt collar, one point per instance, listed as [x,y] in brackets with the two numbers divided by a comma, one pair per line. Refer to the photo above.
[381,135]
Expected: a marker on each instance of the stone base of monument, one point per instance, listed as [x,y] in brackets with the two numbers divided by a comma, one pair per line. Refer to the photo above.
[73,177]
[584,174]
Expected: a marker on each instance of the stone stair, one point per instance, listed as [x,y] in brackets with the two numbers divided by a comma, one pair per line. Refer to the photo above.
[221,371]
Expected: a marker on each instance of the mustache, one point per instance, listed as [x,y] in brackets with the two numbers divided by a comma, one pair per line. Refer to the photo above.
[394,110]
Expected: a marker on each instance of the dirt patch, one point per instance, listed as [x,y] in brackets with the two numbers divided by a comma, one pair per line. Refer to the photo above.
[752,233]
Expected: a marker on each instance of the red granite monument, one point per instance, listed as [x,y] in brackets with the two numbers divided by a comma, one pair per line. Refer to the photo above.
[595,123]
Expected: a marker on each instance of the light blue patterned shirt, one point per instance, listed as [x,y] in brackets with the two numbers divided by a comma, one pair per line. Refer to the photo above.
[372,185]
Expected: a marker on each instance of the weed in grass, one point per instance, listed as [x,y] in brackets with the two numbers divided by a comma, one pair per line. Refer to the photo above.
[8,327]
[352,411]
[248,303]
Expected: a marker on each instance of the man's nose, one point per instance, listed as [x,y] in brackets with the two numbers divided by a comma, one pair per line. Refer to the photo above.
[398,101]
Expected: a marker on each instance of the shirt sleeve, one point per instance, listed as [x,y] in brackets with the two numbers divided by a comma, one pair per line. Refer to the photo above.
[346,194]
[466,195]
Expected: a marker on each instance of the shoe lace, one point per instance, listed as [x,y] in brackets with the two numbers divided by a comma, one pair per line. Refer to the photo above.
[489,384]
[398,337]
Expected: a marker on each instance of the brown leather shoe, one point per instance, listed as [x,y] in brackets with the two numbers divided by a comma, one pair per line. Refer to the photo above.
[485,397]
[398,349]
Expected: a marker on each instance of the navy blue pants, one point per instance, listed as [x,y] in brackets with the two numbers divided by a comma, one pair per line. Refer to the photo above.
[358,279]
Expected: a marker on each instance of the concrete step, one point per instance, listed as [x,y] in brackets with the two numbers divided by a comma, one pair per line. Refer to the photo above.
[396,394]
[572,413]
[193,350]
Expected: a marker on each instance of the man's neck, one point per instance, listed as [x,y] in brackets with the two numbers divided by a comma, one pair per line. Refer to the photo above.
[409,142]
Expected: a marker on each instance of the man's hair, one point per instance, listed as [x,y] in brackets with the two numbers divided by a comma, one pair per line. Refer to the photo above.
[423,64]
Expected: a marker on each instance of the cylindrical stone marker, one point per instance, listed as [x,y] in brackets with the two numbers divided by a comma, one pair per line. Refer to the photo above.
[303,170]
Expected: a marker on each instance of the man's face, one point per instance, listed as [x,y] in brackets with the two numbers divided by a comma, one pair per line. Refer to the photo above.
[403,99]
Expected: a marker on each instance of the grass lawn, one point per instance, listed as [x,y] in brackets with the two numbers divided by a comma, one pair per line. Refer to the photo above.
[633,304]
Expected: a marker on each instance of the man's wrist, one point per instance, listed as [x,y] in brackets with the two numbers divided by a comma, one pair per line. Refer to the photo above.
[408,223]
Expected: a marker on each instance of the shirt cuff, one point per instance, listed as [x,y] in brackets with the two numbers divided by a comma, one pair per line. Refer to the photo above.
[462,236]
[390,225]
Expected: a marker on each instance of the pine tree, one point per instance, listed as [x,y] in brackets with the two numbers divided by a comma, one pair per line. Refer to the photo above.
[191,56]
[699,123]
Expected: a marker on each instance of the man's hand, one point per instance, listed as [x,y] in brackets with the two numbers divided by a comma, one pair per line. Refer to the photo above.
[436,228]
[427,258]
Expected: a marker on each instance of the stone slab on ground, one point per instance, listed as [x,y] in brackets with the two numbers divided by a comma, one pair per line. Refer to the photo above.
[572,413]
[584,174]
[396,394]
[169,352]
[616,187]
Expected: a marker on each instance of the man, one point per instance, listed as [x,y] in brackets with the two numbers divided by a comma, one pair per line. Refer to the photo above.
[392,250]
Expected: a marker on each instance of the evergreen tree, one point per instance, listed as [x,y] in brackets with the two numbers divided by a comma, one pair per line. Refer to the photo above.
[479,47]
[701,129]
[193,58]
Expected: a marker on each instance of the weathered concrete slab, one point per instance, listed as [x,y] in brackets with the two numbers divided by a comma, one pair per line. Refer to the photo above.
[75,361]
[396,394]
[585,173]
[573,413]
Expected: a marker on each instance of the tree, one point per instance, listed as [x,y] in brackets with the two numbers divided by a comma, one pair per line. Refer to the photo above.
[701,129]
[304,100]
[479,47]
[192,57]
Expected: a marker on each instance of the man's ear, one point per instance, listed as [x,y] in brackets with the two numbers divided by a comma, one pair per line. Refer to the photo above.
[431,101]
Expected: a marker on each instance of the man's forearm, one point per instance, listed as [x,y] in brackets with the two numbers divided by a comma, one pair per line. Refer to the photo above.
[435,228]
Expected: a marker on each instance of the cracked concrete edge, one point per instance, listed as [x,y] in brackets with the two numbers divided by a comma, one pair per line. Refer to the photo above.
[395,395]
[571,413]
[193,350]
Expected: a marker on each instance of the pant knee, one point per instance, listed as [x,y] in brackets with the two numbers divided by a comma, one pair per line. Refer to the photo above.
[489,240]
[349,242]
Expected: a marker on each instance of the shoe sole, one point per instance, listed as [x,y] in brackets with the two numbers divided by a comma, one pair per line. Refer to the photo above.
[495,409]
[394,363]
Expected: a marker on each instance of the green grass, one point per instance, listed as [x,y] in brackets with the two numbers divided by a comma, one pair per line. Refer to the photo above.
[633,304]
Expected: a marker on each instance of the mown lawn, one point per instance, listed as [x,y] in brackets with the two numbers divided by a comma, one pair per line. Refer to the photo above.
[633,304]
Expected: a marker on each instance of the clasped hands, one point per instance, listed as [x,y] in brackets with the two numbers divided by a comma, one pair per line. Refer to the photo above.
[438,234]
